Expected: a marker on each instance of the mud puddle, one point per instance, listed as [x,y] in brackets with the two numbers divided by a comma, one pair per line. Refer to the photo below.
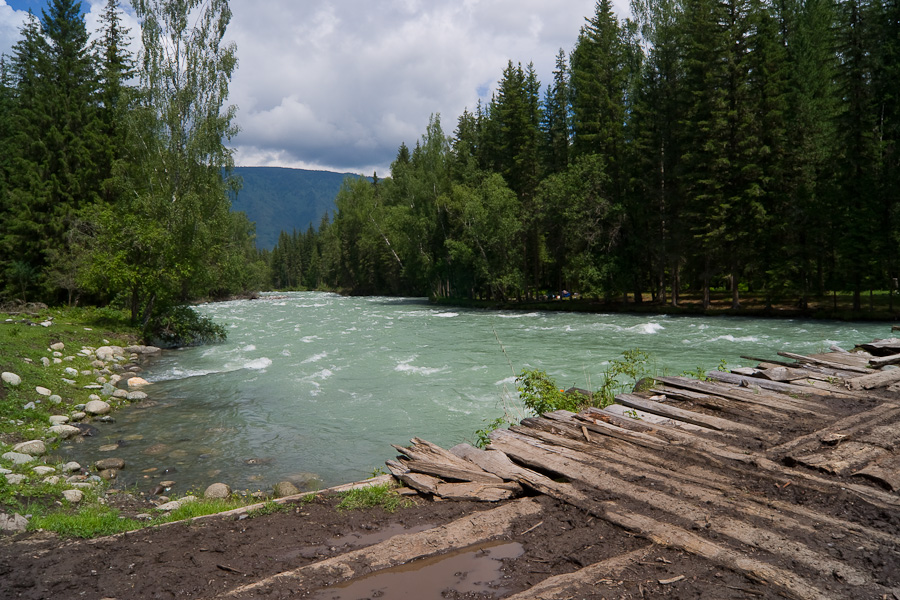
[468,571]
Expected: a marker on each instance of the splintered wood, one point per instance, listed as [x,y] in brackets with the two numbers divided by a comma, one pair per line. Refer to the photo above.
[752,470]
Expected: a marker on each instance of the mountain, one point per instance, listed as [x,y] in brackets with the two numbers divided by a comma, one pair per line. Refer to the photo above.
[277,199]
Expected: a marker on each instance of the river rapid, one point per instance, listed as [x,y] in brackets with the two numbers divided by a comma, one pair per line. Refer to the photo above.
[315,387]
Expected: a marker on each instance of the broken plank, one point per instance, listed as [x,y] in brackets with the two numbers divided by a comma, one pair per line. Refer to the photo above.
[654,419]
[846,426]
[775,400]
[719,403]
[883,361]
[882,347]
[885,472]
[478,491]
[879,379]
[448,471]
[843,459]
[679,414]
[775,386]
[834,364]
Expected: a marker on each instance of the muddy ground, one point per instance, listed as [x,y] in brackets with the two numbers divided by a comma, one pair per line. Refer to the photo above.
[212,556]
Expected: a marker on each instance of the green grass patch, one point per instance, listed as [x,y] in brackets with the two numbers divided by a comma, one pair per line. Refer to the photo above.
[383,495]
[93,520]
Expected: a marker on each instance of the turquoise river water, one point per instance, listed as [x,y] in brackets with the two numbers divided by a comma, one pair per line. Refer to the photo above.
[315,387]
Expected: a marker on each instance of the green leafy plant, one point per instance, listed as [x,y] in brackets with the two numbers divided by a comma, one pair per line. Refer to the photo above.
[540,394]
[483,436]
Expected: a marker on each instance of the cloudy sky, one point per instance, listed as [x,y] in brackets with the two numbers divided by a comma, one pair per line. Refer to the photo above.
[339,84]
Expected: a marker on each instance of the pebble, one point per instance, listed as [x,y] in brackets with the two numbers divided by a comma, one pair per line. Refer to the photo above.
[43,470]
[71,372]
[59,419]
[42,391]
[78,415]
[174,504]
[109,463]
[108,448]
[71,467]
[15,478]
[55,399]
[59,346]
[136,396]
[65,431]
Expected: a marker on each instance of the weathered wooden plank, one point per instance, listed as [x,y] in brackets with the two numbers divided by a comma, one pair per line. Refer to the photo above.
[844,427]
[774,400]
[478,491]
[672,412]
[885,471]
[834,364]
[879,379]
[882,347]
[842,459]
[719,403]
[471,529]
[775,386]
[653,419]
[883,361]
[608,427]
[447,471]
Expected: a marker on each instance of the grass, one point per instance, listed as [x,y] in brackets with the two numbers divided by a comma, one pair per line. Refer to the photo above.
[383,495]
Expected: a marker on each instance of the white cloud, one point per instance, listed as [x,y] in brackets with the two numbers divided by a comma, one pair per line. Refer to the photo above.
[339,84]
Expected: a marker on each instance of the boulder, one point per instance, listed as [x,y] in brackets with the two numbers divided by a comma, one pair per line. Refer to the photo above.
[136,396]
[143,350]
[13,523]
[71,467]
[285,488]
[217,490]
[134,382]
[58,346]
[17,458]
[15,479]
[31,447]
[11,379]
[109,352]
[65,431]
[58,419]
[108,474]
[43,391]
[97,407]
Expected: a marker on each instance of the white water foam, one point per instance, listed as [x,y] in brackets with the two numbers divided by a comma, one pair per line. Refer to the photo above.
[447,315]
[258,364]
[315,358]
[731,338]
[405,367]
[648,328]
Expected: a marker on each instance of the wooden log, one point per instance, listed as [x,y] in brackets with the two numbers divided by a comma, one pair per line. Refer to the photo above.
[420,482]
[759,411]
[479,492]
[882,347]
[775,386]
[883,361]
[654,419]
[784,374]
[843,459]
[845,427]
[448,471]
[606,428]
[672,412]
[466,531]
[875,380]
[834,364]
[769,361]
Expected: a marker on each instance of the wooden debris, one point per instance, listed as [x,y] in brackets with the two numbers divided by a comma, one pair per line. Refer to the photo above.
[882,347]
[833,363]
[875,380]
[885,471]
[883,361]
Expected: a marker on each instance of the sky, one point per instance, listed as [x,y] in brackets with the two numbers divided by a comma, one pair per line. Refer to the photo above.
[339,84]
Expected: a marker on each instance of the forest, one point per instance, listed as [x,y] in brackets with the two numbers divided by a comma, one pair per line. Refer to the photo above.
[115,176]
[750,144]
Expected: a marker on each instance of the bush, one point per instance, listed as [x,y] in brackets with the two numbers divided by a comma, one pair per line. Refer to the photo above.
[183,326]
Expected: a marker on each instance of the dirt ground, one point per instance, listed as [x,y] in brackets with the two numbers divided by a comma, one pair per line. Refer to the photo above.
[212,556]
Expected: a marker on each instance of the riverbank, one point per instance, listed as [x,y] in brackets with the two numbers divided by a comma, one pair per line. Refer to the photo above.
[839,307]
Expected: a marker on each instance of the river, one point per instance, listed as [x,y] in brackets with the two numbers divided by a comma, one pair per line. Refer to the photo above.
[315,387]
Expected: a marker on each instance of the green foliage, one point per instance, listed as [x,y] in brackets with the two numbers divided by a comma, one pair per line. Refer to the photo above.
[94,520]
[383,495]
[540,394]
[183,326]
[483,436]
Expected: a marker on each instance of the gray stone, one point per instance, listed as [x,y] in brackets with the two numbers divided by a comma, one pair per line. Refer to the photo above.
[55,399]
[42,391]
[43,470]
[143,350]
[32,447]
[71,372]
[109,463]
[15,478]
[65,431]
[136,396]
[59,346]
[71,467]
[13,523]
[217,490]
[285,488]
[97,407]
[136,382]
[109,474]
[176,503]
[73,496]
[109,352]
[78,415]
[70,382]
[11,379]
[52,480]
[30,406]
[123,394]
[17,458]
[59,419]
[45,361]
[108,389]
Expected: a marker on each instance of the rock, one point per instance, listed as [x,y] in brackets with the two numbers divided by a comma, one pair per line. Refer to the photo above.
[73,496]
[137,382]
[55,399]
[70,382]
[78,415]
[71,372]
[143,517]
[58,419]
[108,352]
[4,471]
[15,478]
[168,484]
[13,523]
[45,361]
[71,467]
[176,503]
[217,490]
[136,396]
[17,458]
[108,474]
[142,350]
[97,407]
[285,488]
[30,406]
[32,447]
[42,391]
[108,389]
[109,463]
[98,364]
[59,346]
[65,431]
[52,480]
[11,379]
[43,470]
[108,448]
[94,397]
[123,394]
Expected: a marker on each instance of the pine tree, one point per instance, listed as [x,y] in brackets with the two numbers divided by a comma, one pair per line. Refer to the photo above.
[556,124]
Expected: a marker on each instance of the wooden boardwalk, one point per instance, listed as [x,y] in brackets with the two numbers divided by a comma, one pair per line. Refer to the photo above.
[787,473]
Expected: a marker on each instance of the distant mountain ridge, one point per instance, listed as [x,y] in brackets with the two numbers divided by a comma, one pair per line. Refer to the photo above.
[278,198]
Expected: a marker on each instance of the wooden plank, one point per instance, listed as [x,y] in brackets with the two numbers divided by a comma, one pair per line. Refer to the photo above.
[672,412]
[883,361]
[879,379]
[882,347]
[844,427]
[843,459]
[834,364]
[651,418]
[480,492]
[447,471]
[718,403]
[466,531]
[770,399]
[885,472]
[607,427]
[775,386]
